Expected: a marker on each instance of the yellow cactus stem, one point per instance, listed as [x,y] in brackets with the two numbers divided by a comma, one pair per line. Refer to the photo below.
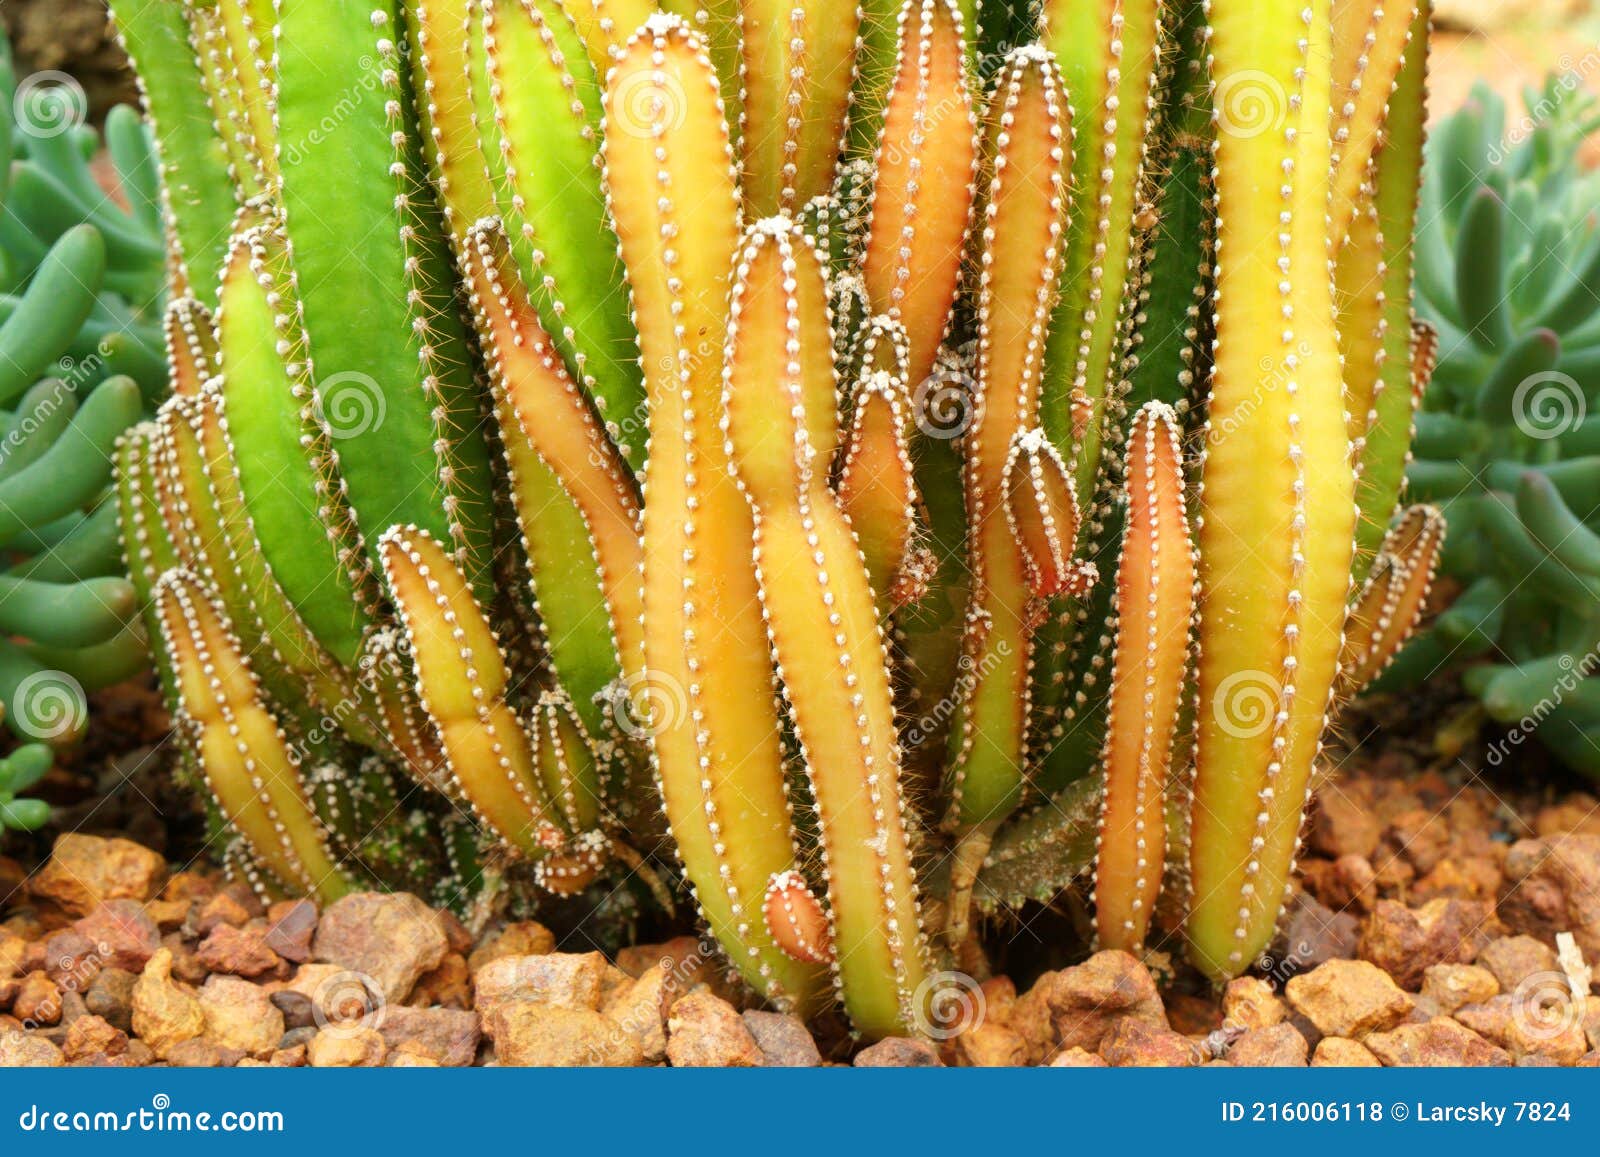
[1369,46]
[832,657]
[1277,540]
[1043,515]
[718,23]
[1395,188]
[878,346]
[708,679]
[605,26]
[1109,52]
[247,760]
[247,45]
[439,40]
[1154,606]
[387,699]
[461,681]
[799,924]
[251,592]
[878,491]
[799,63]
[565,760]
[1394,597]
[191,334]
[225,97]
[927,164]
[1027,147]
[542,407]
[281,456]
[1363,323]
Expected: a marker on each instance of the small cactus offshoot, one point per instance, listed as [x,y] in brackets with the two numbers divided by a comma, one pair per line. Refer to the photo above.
[881,458]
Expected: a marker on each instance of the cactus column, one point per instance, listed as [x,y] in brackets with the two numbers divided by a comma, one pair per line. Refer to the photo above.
[1277,538]
[714,720]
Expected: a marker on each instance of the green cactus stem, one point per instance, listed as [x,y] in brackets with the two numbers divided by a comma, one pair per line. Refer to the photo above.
[1406,364]
[197,192]
[1108,52]
[391,380]
[536,100]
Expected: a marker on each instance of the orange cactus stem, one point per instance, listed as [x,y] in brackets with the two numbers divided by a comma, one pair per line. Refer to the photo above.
[927,160]
[1394,597]
[1155,608]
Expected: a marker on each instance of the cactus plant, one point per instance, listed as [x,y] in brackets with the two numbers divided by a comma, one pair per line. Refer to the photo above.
[81,290]
[1509,269]
[786,439]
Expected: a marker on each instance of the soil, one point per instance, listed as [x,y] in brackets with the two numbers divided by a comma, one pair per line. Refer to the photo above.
[1448,914]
